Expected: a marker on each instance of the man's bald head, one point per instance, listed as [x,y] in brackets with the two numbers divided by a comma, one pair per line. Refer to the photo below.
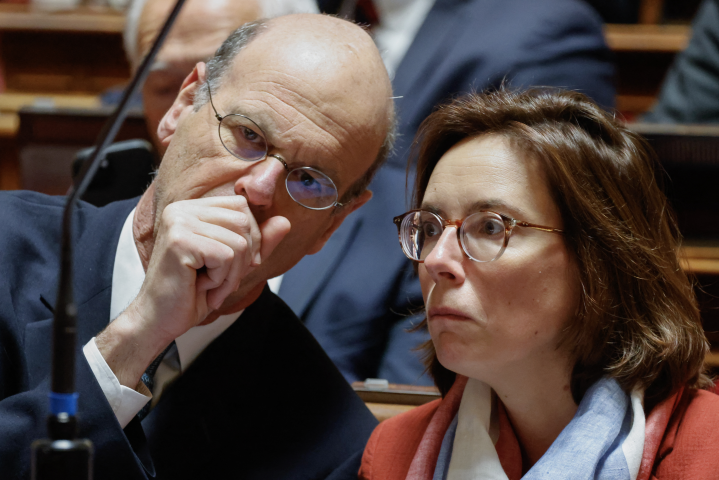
[333,62]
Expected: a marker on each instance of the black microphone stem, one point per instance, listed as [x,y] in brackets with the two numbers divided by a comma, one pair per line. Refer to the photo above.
[61,456]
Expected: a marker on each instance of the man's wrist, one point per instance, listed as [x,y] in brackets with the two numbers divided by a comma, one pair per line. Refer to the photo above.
[128,348]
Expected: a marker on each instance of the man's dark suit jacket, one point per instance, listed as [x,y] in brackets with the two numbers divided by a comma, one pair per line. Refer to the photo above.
[263,401]
[355,295]
[690,93]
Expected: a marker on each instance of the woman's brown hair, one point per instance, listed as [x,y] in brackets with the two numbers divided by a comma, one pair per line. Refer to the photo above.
[638,319]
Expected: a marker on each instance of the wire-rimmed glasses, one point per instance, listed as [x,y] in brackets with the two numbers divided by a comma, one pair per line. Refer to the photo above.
[244,139]
[483,236]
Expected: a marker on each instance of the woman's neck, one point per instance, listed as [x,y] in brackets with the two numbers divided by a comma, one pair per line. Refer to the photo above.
[539,405]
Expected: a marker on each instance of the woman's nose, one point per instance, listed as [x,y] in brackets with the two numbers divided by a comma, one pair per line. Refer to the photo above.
[259,183]
[445,261]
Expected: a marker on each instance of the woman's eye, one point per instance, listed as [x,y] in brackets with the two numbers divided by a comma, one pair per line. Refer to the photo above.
[430,229]
[491,227]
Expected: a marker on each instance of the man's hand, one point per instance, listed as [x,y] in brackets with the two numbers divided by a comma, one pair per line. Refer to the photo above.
[203,250]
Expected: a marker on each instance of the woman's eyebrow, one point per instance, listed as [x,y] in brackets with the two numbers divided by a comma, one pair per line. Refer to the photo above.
[495,204]
[492,204]
[432,208]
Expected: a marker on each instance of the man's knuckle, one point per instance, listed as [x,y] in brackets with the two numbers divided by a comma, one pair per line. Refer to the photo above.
[241,243]
[228,254]
[241,221]
[175,238]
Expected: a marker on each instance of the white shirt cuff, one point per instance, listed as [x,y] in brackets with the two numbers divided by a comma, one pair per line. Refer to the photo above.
[125,402]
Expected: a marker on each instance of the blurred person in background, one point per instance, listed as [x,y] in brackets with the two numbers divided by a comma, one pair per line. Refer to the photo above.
[201,27]
[357,294]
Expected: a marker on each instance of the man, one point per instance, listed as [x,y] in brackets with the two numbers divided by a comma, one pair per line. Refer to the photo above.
[200,28]
[266,156]
[357,294]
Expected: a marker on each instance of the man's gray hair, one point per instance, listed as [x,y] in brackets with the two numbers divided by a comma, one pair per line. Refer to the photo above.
[268,9]
[385,151]
[218,65]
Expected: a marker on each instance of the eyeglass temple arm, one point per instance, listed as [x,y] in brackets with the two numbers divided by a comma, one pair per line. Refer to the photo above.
[540,227]
[209,92]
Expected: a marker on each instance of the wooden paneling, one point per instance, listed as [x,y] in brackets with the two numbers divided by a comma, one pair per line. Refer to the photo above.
[49,138]
[394,399]
[647,38]
[383,411]
[700,258]
[650,11]
[26,17]
[58,62]
[69,52]
[13,102]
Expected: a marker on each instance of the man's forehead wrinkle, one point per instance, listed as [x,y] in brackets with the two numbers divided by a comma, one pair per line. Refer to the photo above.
[317,106]
[293,138]
[290,105]
[336,135]
[283,124]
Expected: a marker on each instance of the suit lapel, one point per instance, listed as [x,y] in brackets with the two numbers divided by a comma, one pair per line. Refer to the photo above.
[304,281]
[205,410]
[97,232]
[262,401]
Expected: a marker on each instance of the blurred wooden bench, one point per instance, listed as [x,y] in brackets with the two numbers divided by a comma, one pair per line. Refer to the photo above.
[392,399]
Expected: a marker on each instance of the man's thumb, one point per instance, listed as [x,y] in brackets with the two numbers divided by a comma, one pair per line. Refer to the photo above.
[273,230]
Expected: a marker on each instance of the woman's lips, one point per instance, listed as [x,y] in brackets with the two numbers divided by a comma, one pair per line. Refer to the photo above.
[447,312]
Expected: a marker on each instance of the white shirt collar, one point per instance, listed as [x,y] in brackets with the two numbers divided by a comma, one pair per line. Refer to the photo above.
[127,277]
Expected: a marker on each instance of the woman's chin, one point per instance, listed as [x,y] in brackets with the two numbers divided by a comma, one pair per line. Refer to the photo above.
[452,356]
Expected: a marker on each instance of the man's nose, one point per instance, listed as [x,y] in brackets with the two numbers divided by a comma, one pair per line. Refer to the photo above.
[445,261]
[260,182]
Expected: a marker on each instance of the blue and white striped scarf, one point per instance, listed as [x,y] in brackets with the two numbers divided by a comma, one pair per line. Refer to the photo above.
[604,440]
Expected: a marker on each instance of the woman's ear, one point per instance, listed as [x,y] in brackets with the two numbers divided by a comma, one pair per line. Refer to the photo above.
[184,101]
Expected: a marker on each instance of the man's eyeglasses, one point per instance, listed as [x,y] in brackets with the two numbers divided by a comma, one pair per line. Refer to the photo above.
[483,235]
[244,139]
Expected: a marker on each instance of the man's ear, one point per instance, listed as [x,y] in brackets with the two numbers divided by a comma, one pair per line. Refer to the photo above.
[185,99]
[338,218]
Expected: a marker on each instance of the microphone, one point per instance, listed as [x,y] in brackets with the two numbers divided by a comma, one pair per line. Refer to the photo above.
[62,456]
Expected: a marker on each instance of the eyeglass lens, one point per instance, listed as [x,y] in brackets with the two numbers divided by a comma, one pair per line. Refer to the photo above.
[311,188]
[482,235]
[243,138]
[307,186]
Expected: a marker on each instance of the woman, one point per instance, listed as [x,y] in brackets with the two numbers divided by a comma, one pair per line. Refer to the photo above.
[566,339]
